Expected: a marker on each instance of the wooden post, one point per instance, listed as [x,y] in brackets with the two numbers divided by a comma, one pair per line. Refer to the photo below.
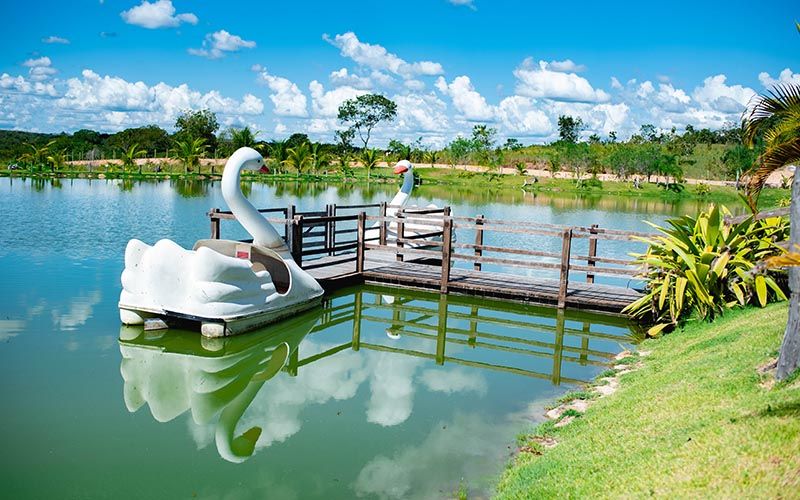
[401,233]
[478,241]
[382,230]
[332,229]
[357,322]
[441,331]
[362,218]
[447,240]
[558,348]
[214,223]
[297,240]
[592,252]
[566,245]
[287,232]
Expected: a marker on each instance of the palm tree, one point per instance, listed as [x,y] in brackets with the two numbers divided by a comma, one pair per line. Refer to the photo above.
[774,117]
[319,158]
[244,137]
[369,158]
[432,156]
[298,158]
[189,152]
[343,161]
[129,157]
[277,154]
[57,160]
[37,156]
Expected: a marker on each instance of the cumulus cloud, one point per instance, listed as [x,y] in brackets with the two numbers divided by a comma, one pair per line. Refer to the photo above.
[418,113]
[469,102]
[785,76]
[218,43]
[716,95]
[287,98]
[158,14]
[342,77]
[378,58]
[55,39]
[40,69]
[519,115]
[565,66]
[539,81]
[326,103]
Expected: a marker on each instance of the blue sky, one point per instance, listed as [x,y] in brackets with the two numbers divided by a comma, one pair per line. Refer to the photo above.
[284,67]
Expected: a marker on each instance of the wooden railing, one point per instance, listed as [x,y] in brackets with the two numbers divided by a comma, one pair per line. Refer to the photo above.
[448,250]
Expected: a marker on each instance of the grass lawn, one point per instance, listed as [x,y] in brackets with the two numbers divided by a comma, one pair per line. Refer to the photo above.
[696,420]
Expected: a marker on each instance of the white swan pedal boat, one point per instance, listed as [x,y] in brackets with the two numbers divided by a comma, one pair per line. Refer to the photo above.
[228,287]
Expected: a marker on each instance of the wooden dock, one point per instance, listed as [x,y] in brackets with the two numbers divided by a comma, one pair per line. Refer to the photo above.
[379,251]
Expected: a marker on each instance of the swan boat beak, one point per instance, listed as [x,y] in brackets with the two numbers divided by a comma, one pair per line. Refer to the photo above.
[264,169]
[400,169]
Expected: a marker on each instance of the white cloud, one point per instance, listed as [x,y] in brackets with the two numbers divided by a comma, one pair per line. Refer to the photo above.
[287,98]
[716,95]
[55,39]
[539,81]
[467,101]
[518,115]
[40,69]
[420,113]
[326,104]
[378,58]
[218,43]
[465,3]
[20,85]
[415,85]
[615,83]
[159,14]
[785,76]
[565,66]
[342,77]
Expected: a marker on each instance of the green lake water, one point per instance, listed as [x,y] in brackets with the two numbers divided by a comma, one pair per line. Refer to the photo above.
[384,393]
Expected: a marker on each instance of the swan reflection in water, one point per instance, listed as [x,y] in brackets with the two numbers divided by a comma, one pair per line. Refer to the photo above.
[373,343]
[216,379]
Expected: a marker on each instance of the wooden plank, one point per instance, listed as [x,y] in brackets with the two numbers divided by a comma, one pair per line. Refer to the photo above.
[361,243]
[592,255]
[478,241]
[566,245]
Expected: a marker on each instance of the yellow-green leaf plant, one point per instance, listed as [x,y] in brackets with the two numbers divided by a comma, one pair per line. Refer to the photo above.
[703,265]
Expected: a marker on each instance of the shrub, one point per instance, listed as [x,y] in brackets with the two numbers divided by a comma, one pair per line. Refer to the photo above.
[704,265]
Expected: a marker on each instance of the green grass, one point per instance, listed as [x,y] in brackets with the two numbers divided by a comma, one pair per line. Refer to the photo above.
[694,421]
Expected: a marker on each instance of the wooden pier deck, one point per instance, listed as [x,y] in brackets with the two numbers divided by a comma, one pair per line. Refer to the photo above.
[380,250]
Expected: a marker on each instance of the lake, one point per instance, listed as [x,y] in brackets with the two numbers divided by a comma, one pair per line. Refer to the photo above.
[380,393]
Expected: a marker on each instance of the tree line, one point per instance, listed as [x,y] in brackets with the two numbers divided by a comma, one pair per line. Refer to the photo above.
[650,152]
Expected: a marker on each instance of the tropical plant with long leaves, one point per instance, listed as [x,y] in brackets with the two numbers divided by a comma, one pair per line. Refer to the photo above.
[298,158]
[705,266]
[189,152]
[369,158]
[130,155]
[432,156]
[343,163]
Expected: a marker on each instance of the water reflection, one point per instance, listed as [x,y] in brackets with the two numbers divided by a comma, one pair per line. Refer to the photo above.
[215,379]
[395,345]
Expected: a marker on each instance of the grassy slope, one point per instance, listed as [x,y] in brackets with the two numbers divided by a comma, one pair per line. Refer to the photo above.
[692,422]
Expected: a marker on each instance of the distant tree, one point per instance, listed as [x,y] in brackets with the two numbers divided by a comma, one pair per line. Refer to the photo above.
[612,136]
[149,138]
[369,158]
[458,150]
[129,157]
[243,137]
[483,137]
[512,144]
[277,155]
[57,159]
[298,158]
[399,151]
[344,140]
[320,159]
[569,128]
[364,112]
[201,124]
[189,153]
[431,156]
[36,156]
[297,139]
